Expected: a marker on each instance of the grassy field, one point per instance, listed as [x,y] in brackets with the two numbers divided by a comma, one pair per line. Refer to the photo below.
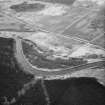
[8,23]
[83,29]
[49,23]
[67,2]
[59,23]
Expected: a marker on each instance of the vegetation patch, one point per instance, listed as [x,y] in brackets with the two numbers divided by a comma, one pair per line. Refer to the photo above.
[27,7]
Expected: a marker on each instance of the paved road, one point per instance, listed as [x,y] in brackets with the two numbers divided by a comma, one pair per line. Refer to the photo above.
[28,68]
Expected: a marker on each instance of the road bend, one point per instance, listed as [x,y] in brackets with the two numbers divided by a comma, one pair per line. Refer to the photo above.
[39,73]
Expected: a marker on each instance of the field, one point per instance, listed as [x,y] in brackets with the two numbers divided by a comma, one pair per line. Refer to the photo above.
[75,23]
[8,23]
[85,31]
[74,32]
[47,22]
[25,7]
[67,2]
[41,60]
[57,24]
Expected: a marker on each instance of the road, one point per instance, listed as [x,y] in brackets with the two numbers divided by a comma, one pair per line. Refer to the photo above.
[39,73]
[76,21]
